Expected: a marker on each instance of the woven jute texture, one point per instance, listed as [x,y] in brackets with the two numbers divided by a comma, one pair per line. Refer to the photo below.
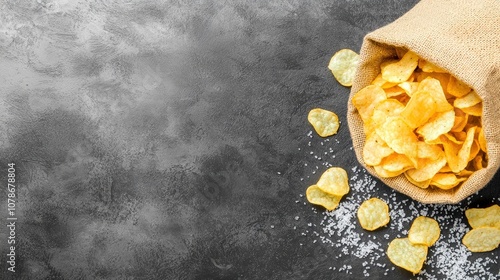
[460,36]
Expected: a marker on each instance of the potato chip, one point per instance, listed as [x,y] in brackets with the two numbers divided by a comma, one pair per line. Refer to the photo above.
[427,168]
[484,217]
[400,71]
[382,172]
[482,140]
[407,255]
[318,197]
[324,122]
[446,181]
[461,119]
[482,239]
[408,87]
[474,150]
[478,162]
[424,231]
[399,136]
[468,100]
[373,214]
[394,91]
[443,78]
[375,149]
[413,114]
[430,151]
[433,86]
[438,124]
[366,99]
[456,155]
[423,185]
[396,163]
[427,66]
[379,81]
[476,110]
[457,88]
[383,110]
[334,181]
[343,65]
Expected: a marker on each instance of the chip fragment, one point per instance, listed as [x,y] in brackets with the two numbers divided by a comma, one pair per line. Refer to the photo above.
[343,66]
[373,214]
[324,122]
[482,239]
[424,231]
[407,255]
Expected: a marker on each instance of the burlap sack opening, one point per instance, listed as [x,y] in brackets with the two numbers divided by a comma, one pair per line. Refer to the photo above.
[462,37]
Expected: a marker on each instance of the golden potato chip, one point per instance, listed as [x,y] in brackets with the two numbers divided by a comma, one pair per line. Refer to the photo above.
[427,66]
[468,100]
[424,231]
[375,149]
[385,173]
[334,181]
[423,185]
[433,86]
[324,122]
[478,162]
[394,91]
[484,217]
[446,181]
[383,110]
[443,78]
[318,197]
[476,110]
[343,65]
[396,163]
[482,140]
[379,81]
[482,239]
[438,124]
[427,168]
[373,214]
[400,71]
[431,151]
[456,155]
[408,87]
[366,99]
[413,114]
[399,136]
[407,255]
[461,119]
[474,150]
[457,88]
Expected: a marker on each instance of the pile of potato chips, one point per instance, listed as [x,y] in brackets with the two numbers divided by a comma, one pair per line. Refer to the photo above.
[485,233]
[421,122]
[410,253]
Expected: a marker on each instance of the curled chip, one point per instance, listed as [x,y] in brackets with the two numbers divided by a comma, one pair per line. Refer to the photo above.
[482,239]
[366,99]
[343,65]
[424,231]
[407,255]
[318,197]
[373,214]
[375,149]
[484,217]
[334,181]
[324,122]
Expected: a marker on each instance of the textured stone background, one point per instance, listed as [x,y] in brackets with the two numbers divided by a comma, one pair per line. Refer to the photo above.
[159,139]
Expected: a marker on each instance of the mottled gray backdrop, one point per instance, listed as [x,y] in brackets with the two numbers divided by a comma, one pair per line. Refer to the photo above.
[160,139]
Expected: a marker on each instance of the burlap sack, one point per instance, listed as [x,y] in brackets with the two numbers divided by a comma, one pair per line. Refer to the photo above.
[460,36]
